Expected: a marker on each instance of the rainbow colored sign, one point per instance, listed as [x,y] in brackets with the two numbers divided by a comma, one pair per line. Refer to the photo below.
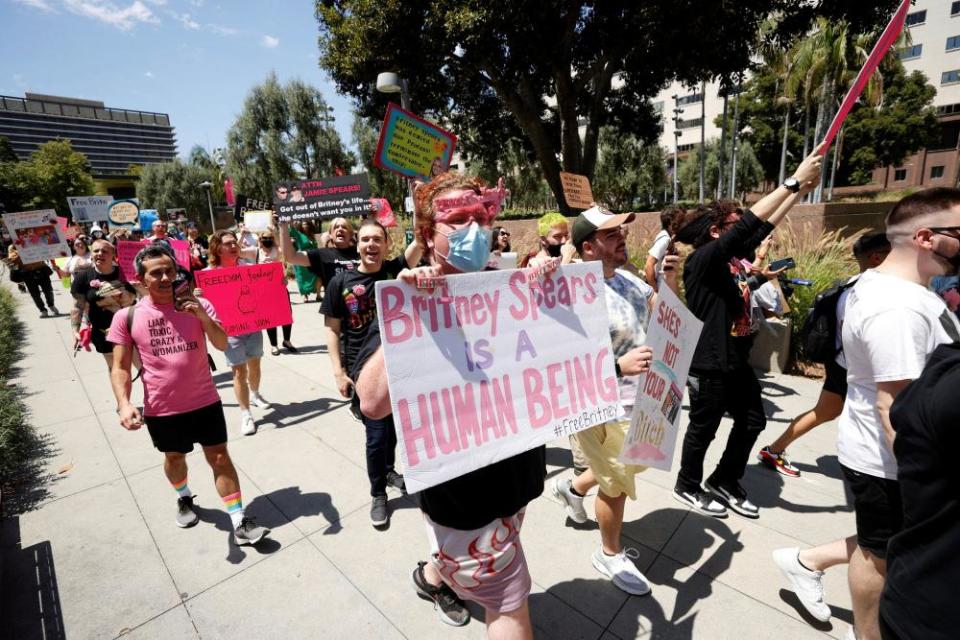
[412,147]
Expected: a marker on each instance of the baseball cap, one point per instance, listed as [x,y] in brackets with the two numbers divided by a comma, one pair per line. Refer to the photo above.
[595,218]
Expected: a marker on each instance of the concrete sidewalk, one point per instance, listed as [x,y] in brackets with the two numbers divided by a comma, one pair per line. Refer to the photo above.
[101,557]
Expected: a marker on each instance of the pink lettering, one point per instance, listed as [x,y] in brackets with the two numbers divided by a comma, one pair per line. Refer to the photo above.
[392,301]
[533,390]
[412,434]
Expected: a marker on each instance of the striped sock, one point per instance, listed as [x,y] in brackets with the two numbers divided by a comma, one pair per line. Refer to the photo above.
[234,505]
[182,489]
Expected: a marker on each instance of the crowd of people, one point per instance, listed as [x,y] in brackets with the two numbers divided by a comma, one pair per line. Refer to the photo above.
[897,351]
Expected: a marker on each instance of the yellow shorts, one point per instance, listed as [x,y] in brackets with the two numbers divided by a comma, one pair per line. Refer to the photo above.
[601,445]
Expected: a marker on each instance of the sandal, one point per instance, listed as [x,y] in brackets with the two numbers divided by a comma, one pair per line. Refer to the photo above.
[275,351]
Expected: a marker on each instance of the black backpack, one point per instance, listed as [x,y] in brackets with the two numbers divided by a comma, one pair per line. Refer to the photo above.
[818,336]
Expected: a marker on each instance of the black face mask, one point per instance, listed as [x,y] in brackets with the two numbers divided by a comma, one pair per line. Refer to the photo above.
[553,250]
[267,242]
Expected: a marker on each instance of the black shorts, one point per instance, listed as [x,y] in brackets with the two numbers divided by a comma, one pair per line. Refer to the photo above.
[178,432]
[878,507]
[836,380]
[99,341]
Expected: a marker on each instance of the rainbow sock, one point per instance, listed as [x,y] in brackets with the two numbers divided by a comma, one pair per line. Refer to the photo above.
[234,505]
[181,488]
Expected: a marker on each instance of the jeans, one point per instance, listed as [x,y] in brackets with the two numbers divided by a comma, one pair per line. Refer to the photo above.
[736,392]
[35,285]
[381,452]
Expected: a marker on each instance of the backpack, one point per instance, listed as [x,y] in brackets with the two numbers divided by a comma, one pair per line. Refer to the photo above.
[818,335]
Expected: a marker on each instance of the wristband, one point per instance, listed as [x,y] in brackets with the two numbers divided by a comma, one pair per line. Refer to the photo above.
[616,368]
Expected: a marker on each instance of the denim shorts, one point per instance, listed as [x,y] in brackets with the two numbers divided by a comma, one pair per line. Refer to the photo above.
[244,347]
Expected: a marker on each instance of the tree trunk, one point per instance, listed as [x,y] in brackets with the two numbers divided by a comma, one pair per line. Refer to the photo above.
[836,159]
[720,151]
[703,129]
[826,97]
[734,134]
[783,147]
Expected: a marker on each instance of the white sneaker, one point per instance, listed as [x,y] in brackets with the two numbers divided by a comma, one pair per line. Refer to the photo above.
[572,503]
[807,584]
[622,571]
[258,400]
[247,426]
[851,634]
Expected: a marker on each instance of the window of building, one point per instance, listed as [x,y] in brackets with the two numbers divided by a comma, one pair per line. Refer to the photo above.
[899,175]
[953,43]
[658,106]
[955,8]
[911,53]
[936,172]
[693,98]
[915,18]
[685,147]
[950,77]
[689,124]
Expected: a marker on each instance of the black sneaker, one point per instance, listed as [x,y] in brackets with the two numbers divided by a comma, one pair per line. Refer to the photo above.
[355,411]
[449,607]
[249,532]
[395,480]
[186,516]
[701,502]
[379,513]
[734,497]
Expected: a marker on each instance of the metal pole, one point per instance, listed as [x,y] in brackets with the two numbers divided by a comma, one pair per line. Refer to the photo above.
[703,133]
[676,142]
[783,148]
[213,224]
[723,145]
[733,144]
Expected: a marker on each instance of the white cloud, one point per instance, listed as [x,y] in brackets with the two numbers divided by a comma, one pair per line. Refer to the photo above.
[221,30]
[197,3]
[185,20]
[270,42]
[42,5]
[123,18]
[148,74]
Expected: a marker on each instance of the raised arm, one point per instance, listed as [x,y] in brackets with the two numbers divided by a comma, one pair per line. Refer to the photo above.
[774,206]
[290,254]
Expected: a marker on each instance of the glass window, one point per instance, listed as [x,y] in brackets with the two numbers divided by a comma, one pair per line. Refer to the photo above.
[936,172]
[915,18]
[693,98]
[953,42]
[955,8]
[949,77]
[899,175]
[689,124]
[910,53]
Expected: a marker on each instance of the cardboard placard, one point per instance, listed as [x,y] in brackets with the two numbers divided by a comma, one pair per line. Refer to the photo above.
[257,221]
[655,423]
[37,235]
[334,197]
[490,365]
[127,250]
[247,298]
[576,190]
[89,208]
[412,147]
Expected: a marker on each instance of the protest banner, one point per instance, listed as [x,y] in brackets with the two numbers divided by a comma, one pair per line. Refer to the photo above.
[175,213]
[247,298]
[490,365]
[576,190]
[257,221]
[654,425]
[887,39]
[36,235]
[412,147]
[383,211]
[242,204]
[334,197]
[124,214]
[89,208]
[127,250]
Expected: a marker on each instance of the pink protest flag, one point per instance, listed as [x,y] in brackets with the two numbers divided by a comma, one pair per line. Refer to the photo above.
[887,38]
[228,192]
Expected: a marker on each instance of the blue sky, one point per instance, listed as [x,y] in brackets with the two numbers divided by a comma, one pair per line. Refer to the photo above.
[193,59]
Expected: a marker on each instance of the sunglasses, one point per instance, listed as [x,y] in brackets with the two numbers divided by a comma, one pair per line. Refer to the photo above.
[953,232]
[504,234]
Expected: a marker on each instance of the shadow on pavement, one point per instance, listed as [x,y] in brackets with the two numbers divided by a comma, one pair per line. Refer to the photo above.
[790,598]
[30,606]
[828,466]
[304,411]
[765,486]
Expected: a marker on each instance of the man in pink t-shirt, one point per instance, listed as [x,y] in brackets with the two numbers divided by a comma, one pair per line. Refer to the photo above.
[181,403]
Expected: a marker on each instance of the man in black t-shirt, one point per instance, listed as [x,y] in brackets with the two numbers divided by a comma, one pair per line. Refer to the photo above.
[721,379]
[98,293]
[350,310]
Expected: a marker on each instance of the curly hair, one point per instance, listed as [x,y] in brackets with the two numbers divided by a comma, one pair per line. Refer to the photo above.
[423,199]
[213,253]
[694,226]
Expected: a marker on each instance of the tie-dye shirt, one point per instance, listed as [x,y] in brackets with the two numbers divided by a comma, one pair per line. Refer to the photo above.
[628,313]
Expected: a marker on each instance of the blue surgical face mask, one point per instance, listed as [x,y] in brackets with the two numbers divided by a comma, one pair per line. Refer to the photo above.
[469,247]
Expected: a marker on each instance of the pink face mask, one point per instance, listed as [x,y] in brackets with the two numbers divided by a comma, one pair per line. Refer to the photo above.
[483,207]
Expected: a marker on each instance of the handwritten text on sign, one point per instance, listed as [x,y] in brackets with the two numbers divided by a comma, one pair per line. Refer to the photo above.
[412,147]
[36,235]
[489,366]
[127,250]
[673,336]
[247,298]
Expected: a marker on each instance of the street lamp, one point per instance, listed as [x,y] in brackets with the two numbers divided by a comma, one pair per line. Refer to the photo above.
[389,82]
[676,142]
[207,186]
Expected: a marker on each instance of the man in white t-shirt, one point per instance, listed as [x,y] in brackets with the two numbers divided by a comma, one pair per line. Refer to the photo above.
[892,324]
[661,244]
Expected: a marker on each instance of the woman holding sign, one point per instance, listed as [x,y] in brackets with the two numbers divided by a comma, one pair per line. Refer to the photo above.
[243,351]
[267,252]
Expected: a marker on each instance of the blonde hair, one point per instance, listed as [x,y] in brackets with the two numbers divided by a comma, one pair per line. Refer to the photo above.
[550,220]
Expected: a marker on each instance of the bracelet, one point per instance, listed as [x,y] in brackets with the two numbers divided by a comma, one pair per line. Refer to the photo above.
[616,368]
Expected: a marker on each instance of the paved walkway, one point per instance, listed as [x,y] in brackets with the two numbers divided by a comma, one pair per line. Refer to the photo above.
[100,556]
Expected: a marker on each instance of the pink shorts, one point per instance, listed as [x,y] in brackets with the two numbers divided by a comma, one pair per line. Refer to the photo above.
[484,565]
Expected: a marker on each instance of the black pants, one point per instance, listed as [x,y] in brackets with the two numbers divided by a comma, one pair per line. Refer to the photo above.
[272,334]
[35,285]
[381,452]
[736,393]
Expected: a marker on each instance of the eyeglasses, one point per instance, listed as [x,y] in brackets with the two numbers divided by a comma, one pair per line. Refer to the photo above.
[953,232]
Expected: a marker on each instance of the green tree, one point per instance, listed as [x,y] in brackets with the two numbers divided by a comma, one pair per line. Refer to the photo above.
[175,184]
[550,65]
[53,172]
[283,132]
[629,173]
[7,154]
[749,171]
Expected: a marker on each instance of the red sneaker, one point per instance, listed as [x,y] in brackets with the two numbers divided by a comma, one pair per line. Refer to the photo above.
[778,462]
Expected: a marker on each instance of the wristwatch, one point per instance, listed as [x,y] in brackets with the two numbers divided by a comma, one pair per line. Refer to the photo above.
[793,184]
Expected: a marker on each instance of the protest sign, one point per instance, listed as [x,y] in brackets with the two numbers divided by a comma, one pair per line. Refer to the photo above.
[490,365]
[576,190]
[36,235]
[147,218]
[89,208]
[242,204]
[257,221]
[887,39]
[334,197]
[384,212]
[177,213]
[412,147]
[127,250]
[247,298]
[654,425]
[124,214]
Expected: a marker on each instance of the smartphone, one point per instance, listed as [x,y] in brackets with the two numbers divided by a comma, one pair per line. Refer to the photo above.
[785,263]
[671,251]
[182,292]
